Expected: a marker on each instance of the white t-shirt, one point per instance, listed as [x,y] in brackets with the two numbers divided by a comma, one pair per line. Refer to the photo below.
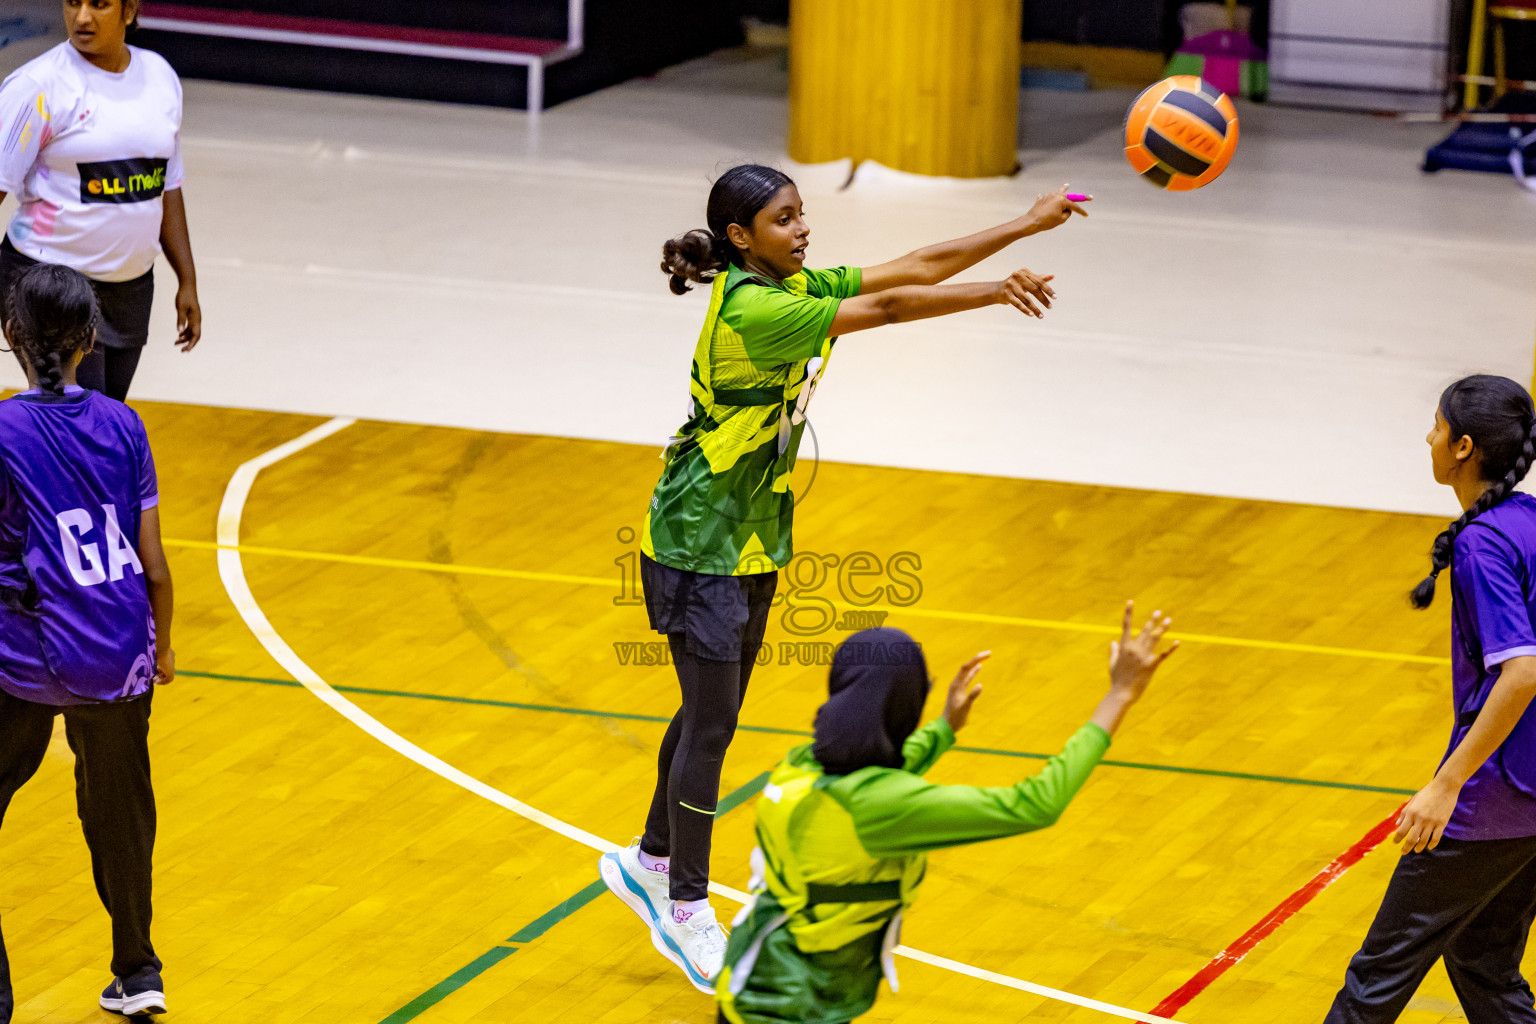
[89,153]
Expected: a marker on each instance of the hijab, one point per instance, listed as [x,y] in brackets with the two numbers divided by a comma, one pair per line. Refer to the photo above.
[878,684]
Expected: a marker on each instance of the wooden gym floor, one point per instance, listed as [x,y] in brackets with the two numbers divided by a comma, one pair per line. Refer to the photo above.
[307,872]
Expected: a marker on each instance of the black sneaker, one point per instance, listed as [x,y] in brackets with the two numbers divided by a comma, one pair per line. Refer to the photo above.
[138,996]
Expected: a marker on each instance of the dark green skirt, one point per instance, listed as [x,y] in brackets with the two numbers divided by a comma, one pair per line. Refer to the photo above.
[787,986]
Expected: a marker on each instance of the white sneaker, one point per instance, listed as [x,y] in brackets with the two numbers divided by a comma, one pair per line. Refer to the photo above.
[697,945]
[644,891]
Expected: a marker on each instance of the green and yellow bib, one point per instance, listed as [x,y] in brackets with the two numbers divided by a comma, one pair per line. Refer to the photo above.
[723,504]
[825,916]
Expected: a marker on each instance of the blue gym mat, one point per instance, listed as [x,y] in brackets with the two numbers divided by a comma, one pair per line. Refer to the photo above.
[1486,147]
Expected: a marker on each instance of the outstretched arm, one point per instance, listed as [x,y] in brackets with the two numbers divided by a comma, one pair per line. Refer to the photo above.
[937,263]
[925,746]
[898,812]
[1022,290]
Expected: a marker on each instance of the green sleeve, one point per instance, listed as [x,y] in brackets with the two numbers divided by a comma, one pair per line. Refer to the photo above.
[925,746]
[837,283]
[896,812]
[778,327]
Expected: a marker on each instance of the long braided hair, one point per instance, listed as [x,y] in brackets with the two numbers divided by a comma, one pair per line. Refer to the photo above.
[737,196]
[50,315]
[1497,414]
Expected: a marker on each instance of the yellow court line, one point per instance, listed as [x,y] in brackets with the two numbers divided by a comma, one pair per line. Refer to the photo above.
[918,613]
[1195,638]
[401,563]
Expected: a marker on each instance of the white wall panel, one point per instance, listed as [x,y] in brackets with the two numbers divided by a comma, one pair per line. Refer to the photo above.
[1372,44]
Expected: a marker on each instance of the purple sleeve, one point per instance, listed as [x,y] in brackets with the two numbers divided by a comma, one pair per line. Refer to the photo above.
[149,485]
[1490,577]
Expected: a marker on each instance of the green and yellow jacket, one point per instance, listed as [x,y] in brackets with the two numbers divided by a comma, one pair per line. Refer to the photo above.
[840,857]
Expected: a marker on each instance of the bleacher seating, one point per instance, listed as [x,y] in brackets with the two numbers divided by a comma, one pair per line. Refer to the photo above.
[519,53]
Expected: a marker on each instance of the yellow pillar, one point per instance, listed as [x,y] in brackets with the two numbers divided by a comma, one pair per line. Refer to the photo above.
[1475,47]
[926,86]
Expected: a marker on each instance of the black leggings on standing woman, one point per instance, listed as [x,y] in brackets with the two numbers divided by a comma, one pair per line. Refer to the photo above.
[714,627]
[116,805]
[1471,902]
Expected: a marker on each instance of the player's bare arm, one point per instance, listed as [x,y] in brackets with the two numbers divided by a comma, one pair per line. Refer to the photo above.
[937,263]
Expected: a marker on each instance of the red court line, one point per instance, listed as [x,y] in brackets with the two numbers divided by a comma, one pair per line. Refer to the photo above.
[1228,957]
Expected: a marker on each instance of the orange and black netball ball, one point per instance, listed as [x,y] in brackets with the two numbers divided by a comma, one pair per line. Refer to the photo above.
[1180,133]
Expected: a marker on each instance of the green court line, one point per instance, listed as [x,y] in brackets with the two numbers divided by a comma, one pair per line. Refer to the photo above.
[544,922]
[663,720]
[530,931]
[451,984]
[484,702]
[1216,772]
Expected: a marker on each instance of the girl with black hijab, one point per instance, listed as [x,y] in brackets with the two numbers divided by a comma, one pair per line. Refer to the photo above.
[845,824]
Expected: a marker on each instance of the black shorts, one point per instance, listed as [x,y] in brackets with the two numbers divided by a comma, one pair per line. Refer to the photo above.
[124,304]
[719,616]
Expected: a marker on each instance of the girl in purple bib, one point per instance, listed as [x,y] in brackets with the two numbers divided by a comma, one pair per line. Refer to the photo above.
[85,609]
[1465,888]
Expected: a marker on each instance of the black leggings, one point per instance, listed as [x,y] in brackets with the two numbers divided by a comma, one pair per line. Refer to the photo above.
[682,816]
[109,370]
[1469,902]
[116,807]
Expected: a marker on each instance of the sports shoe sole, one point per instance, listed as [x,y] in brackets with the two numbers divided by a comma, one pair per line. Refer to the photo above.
[141,1005]
[665,948]
[620,884]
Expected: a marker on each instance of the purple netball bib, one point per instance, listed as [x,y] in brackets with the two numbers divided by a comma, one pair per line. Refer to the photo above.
[1493,620]
[75,472]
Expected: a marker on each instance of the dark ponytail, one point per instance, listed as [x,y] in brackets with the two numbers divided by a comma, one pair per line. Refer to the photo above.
[1496,413]
[697,255]
[738,196]
[50,315]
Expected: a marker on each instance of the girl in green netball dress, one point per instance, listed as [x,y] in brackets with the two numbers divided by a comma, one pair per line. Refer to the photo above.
[718,527]
[845,824]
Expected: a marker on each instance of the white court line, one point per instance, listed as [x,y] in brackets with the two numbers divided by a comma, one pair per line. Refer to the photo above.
[232,573]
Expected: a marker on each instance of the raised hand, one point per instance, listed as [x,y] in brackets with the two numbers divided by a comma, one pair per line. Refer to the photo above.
[1133,659]
[1023,288]
[957,703]
[1054,209]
